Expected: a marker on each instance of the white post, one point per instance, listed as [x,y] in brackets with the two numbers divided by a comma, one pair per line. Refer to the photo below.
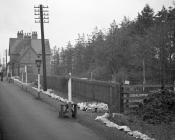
[69,89]
[26,72]
[174,86]
[22,77]
[38,82]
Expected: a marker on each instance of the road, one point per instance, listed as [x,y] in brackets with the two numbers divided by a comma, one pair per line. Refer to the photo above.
[22,117]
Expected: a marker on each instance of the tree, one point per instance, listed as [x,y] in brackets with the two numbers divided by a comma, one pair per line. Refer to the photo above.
[145,19]
[69,57]
[56,59]
[62,65]
[125,51]
[118,50]
[78,57]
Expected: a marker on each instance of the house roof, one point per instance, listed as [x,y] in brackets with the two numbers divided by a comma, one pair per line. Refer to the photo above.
[19,46]
[36,45]
[20,58]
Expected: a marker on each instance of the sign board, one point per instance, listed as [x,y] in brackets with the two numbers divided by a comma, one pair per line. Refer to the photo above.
[126,82]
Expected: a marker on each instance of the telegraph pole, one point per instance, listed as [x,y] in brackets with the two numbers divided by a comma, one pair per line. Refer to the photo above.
[42,18]
[6,60]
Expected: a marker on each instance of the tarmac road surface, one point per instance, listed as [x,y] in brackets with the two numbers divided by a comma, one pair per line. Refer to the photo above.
[22,117]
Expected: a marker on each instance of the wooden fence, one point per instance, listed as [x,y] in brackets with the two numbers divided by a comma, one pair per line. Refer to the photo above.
[133,95]
[118,97]
[91,90]
[87,90]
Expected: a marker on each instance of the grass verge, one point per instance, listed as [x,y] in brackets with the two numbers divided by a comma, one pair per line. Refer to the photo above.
[159,132]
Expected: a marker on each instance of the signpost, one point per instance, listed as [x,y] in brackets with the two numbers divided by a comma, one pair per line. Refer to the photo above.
[68,108]
[70,88]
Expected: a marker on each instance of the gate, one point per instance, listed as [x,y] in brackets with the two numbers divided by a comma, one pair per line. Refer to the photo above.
[133,95]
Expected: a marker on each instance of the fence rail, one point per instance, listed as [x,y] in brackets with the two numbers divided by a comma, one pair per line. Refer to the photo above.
[133,95]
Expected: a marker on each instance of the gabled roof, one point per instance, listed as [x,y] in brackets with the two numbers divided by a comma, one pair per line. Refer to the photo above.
[26,52]
[18,45]
[36,45]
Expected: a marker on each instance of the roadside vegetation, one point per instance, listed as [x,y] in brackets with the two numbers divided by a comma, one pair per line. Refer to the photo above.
[155,117]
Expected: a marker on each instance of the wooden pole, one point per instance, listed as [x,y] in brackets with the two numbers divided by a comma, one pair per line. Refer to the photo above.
[91,75]
[6,61]
[121,92]
[43,49]
[144,79]
[8,71]
[43,16]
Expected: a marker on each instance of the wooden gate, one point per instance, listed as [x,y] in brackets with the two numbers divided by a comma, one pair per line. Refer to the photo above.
[133,95]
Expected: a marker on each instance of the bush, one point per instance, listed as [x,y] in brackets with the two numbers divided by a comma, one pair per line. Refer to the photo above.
[158,107]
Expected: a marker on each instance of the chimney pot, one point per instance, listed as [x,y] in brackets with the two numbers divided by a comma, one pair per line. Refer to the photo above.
[34,35]
[20,34]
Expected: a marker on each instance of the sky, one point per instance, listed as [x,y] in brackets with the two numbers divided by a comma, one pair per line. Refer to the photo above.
[67,18]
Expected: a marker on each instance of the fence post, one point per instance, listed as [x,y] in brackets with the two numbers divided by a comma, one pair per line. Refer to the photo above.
[117,98]
[69,89]
[39,88]
[73,88]
[26,72]
[39,82]
[22,77]
[174,86]
[110,97]
[121,98]
[93,93]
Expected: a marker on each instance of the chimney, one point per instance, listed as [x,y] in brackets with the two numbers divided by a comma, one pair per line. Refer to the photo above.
[20,34]
[34,35]
[27,36]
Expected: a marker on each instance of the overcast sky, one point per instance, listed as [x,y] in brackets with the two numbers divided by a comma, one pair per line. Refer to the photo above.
[67,17]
